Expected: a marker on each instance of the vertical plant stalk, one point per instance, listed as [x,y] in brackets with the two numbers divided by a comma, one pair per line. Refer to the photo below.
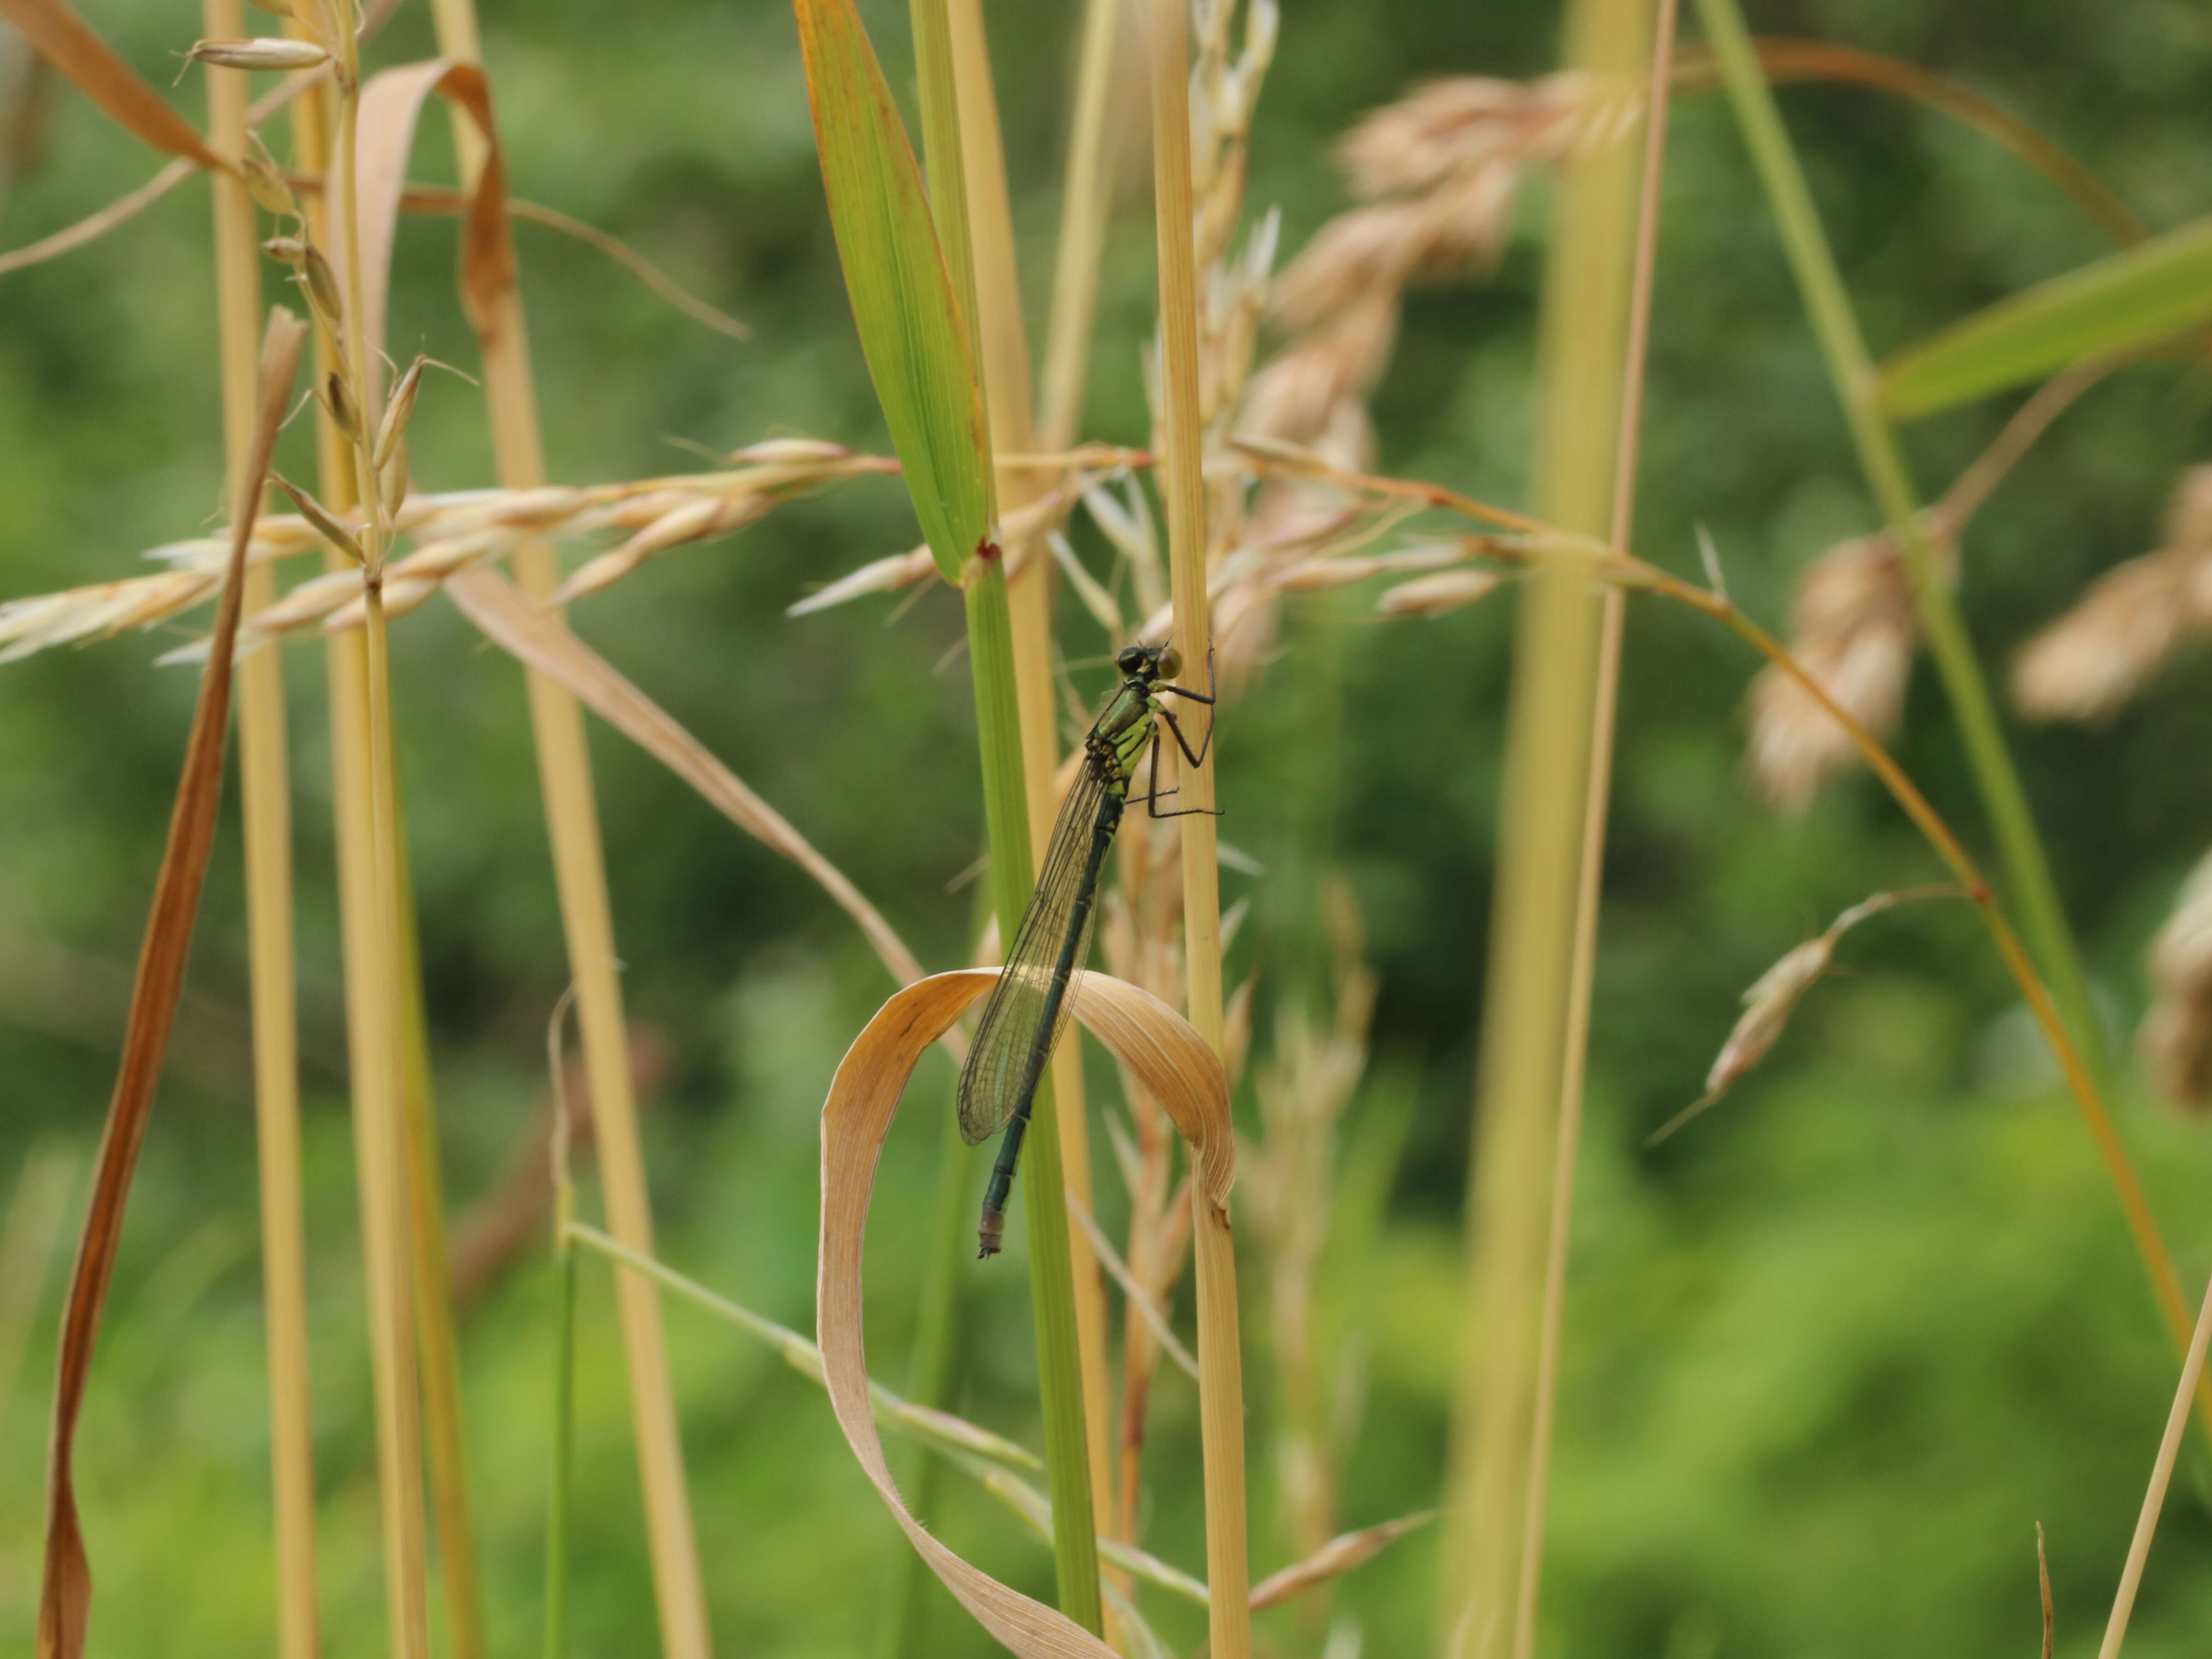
[1526,1021]
[381,1115]
[1574,1058]
[264,793]
[588,922]
[1006,394]
[1828,306]
[564,1346]
[1184,482]
[444,1436]
[2162,1474]
[372,1068]
[1221,1391]
[993,656]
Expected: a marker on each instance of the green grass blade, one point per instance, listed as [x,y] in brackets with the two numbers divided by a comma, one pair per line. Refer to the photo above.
[2154,289]
[918,351]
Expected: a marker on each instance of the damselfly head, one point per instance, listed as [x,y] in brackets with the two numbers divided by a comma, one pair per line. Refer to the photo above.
[1152,662]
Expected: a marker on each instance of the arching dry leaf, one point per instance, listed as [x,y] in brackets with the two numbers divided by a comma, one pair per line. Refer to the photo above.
[1174,1063]
[391,105]
[59,35]
[536,638]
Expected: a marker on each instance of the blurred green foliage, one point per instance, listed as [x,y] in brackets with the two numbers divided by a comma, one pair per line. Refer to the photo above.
[1830,1354]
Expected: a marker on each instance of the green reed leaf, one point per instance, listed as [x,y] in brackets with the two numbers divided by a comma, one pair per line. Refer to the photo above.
[2153,288]
[917,347]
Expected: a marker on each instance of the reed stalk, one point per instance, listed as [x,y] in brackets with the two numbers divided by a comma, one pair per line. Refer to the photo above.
[445,1439]
[264,791]
[564,1348]
[588,922]
[1828,307]
[1007,806]
[1006,396]
[368,902]
[2161,1475]
[1526,1019]
[1590,879]
[1221,1389]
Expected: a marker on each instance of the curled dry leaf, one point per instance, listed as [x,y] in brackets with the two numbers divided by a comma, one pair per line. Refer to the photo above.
[2177,1033]
[1174,1065]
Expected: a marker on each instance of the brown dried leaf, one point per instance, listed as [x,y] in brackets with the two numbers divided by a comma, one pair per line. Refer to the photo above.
[63,39]
[65,1592]
[1174,1065]
[391,105]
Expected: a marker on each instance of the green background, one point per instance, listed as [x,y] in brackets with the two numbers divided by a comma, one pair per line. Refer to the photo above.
[1830,1354]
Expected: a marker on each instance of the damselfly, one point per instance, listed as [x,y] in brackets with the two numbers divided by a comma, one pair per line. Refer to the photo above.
[1029,1007]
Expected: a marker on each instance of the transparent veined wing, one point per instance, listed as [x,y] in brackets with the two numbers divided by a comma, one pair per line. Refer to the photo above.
[1013,1016]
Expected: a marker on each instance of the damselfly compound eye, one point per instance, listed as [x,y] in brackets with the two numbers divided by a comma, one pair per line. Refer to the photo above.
[1170,660]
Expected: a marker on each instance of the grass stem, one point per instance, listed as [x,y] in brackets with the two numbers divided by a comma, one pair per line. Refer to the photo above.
[1575,1052]
[264,793]
[587,925]
[1221,1394]
[1535,913]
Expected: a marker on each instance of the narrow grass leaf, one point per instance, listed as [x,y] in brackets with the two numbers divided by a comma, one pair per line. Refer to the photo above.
[918,351]
[2114,304]
[65,1594]
[537,639]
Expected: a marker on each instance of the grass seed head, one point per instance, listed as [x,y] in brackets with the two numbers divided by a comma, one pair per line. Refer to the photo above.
[2102,652]
[324,521]
[1852,626]
[265,181]
[262,53]
[1433,595]
[2176,1039]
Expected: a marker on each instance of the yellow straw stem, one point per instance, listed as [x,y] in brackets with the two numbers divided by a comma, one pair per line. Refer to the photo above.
[588,921]
[1006,369]
[264,790]
[1526,1024]
[1221,1393]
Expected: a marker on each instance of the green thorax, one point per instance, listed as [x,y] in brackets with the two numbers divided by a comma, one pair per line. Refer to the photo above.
[1118,741]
